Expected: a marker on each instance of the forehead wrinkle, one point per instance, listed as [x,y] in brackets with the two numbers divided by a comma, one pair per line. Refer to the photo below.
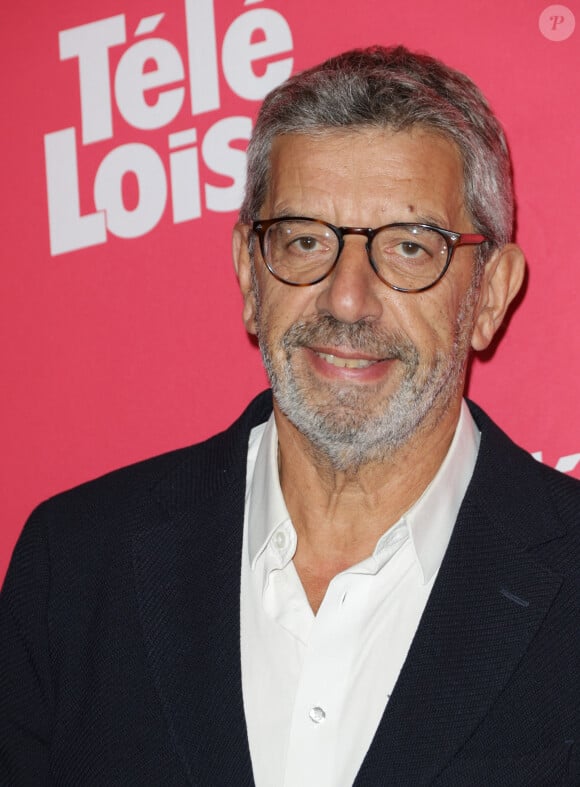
[342,147]
[331,177]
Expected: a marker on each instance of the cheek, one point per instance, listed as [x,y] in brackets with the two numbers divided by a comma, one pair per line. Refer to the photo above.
[281,306]
[430,324]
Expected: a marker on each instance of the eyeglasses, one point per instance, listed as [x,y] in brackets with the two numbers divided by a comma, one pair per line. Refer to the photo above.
[406,257]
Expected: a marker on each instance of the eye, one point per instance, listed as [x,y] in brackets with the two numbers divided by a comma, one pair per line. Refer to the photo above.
[403,250]
[307,239]
[306,243]
[409,243]
[411,250]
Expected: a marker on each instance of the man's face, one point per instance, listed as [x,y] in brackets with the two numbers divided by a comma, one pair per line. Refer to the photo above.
[355,366]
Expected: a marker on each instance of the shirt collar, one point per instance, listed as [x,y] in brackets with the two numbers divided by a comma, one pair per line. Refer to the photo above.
[429,522]
[266,507]
[432,517]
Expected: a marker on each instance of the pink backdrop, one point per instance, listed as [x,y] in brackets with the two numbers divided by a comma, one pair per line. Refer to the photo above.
[123,133]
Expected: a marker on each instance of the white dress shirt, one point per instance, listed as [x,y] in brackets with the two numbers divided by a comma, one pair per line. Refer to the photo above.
[315,686]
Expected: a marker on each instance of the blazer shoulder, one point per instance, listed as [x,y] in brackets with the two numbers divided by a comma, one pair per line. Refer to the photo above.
[500,443]
[534,502]
[126,498]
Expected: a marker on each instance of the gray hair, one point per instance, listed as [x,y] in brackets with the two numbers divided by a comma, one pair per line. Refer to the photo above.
[392,88]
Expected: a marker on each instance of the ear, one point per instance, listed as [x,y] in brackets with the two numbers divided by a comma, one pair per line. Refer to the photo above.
[502,278]
[243,268]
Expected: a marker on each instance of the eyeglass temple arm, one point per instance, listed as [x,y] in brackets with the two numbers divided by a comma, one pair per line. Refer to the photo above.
[470,239]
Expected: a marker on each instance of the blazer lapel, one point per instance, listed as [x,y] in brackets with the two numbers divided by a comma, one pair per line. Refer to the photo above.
[189,604]
[488,601]
[187,572]
[475,629]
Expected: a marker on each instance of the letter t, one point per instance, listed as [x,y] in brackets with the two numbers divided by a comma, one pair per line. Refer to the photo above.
[91,43]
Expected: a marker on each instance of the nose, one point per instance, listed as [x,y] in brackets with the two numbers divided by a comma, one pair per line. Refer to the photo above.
[351,292]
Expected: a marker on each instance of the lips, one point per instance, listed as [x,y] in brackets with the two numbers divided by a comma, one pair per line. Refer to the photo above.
[346,363]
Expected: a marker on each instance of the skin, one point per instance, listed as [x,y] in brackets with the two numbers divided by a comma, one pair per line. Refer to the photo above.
[367,178]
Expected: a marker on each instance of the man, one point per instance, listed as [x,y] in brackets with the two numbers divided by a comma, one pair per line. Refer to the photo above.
[362,580]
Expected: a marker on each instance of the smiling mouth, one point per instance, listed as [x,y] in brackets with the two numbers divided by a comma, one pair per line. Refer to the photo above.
[346,363]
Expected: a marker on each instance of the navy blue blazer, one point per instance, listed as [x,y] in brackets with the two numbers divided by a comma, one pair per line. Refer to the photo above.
[120,633]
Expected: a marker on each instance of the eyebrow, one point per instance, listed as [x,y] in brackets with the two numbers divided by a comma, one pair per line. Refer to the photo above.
[284,213]
[425,218]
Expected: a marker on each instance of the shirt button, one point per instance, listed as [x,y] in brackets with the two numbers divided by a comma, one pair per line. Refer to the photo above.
[280,539]
[317,715]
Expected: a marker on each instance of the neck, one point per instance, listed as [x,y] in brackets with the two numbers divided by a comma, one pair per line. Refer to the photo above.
[339,515]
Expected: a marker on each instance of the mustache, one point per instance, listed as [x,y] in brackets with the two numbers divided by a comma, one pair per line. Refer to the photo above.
[360,336]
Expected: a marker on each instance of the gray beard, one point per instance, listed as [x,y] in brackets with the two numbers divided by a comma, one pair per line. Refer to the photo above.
[335,417]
